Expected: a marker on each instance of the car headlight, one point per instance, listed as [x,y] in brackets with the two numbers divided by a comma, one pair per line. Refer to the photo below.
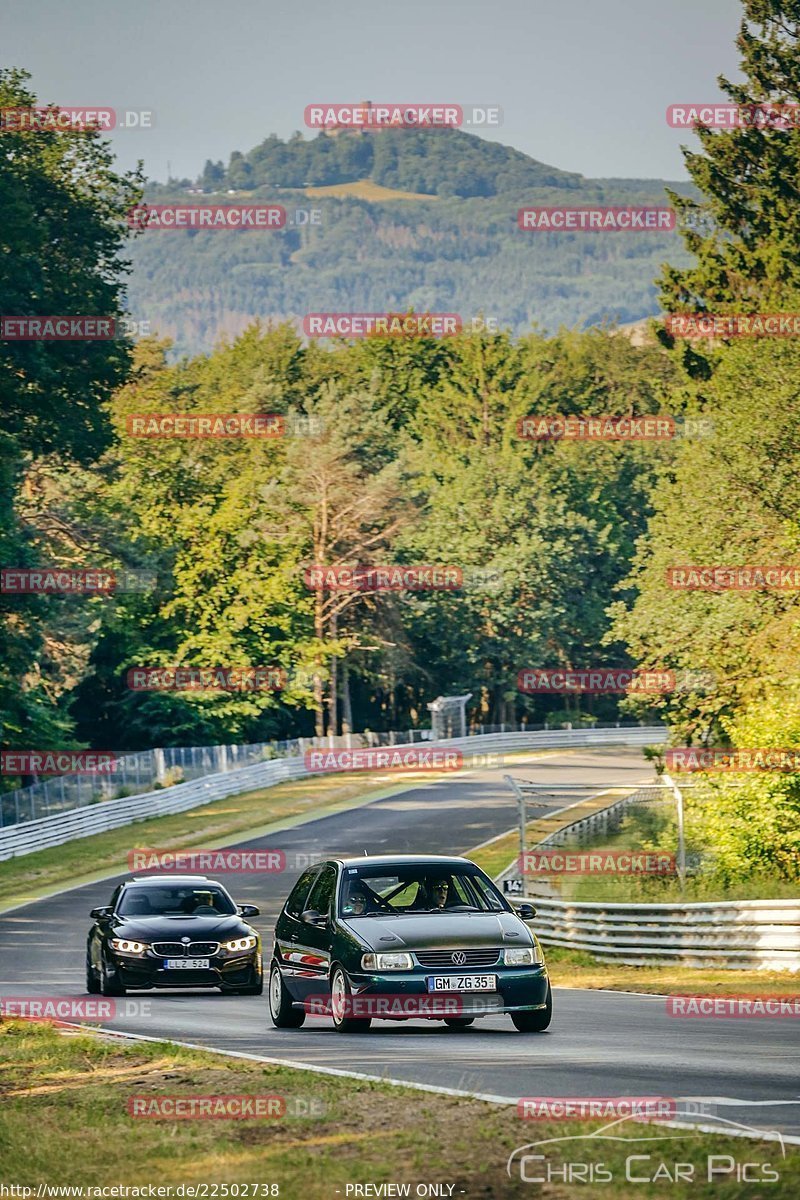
[126,946]
[244,943]
[521,956]
[386,962]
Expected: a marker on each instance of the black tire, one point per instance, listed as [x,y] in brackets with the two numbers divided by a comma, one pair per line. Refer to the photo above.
[535,1020]
[92,982]
[340,989]
[109,986]
[458,1022]
[280,1003]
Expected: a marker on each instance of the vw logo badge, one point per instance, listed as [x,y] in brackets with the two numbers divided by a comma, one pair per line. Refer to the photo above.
[459,958]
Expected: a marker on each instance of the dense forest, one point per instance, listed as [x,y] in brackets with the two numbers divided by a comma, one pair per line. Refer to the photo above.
[447,241]
[406,451]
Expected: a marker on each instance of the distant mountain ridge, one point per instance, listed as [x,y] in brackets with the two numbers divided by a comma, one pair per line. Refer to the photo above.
[447,239]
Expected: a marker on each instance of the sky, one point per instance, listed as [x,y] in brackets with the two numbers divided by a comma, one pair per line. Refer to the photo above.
[582,85]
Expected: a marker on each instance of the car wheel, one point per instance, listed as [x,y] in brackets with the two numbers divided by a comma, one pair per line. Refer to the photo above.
[92,982]
[535,1020]
[340,1002]
[280,1003]
[458,1022]
[109,985]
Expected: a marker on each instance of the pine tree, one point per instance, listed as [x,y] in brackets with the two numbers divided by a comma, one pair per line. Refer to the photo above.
[745,229]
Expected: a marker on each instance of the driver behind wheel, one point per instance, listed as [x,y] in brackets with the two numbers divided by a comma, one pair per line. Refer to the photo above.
[432,893]
[356,903]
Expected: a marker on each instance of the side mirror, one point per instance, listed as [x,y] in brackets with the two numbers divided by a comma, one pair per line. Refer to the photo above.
[249,910]
[312,917]
[101,914]
[526,911]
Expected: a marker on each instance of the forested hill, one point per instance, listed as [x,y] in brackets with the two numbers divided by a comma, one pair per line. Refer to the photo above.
[396,219]
[438,162]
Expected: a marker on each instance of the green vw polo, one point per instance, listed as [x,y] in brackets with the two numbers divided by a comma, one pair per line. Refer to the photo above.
[402,937]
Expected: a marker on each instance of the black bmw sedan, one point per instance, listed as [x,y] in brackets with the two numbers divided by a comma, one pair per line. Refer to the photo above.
[401,937]
[173,931]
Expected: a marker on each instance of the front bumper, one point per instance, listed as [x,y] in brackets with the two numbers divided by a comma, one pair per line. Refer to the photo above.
[405,995]
[224,970]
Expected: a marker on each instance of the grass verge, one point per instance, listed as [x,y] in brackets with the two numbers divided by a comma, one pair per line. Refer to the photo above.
[65,1121]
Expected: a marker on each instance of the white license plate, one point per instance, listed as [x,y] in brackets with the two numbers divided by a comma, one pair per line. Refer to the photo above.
[187,964]
[462,983]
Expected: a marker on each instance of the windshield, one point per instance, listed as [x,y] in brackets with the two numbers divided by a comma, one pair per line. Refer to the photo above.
[416,888]
[176,900]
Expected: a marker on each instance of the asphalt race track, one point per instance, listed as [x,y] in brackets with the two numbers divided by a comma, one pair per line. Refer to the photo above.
[600,1043]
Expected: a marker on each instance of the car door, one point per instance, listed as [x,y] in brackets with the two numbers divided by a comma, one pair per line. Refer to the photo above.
[288,929]
[314,939]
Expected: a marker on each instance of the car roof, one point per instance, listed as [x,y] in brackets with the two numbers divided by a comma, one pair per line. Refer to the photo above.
[379,860]
[170,878]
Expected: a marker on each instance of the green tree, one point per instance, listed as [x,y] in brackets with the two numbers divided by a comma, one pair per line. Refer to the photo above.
[744,231]
[62,242]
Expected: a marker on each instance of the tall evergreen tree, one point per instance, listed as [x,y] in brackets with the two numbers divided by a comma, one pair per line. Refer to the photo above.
[748,253]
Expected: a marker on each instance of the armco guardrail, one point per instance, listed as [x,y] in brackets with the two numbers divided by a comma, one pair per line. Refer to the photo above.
[583,825]
[727,934]
[137,772]
[731,934]
[111,814]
